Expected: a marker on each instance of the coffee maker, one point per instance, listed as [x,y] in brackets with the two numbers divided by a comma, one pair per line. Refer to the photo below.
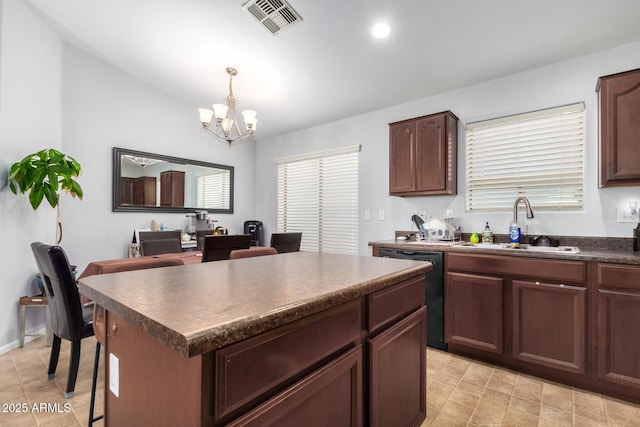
[254,228]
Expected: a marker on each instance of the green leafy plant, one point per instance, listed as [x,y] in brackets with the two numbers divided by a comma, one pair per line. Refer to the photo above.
[44,174]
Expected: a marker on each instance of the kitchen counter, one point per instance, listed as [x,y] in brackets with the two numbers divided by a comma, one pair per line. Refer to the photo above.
[585,254]
[197,308]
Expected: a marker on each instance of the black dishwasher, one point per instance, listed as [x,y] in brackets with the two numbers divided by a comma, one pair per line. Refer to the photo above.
[434,292]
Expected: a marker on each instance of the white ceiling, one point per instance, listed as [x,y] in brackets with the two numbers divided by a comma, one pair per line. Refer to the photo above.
[327,67]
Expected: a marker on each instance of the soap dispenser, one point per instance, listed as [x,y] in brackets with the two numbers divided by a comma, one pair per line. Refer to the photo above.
[514,234]
[487,234]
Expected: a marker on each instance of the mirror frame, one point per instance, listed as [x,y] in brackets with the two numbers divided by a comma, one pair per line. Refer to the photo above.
[118,153]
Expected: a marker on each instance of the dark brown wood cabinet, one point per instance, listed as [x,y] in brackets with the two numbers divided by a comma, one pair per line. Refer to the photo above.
[619,102]
[172,189]
[423,155]
[618,320]
[362,362]
[474,313]
[138,191]
[549,325]
[525,312]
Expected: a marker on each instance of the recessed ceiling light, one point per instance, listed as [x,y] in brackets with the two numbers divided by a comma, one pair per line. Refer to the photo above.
[381,30]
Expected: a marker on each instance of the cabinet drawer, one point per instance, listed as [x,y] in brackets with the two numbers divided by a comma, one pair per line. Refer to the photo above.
[395,302]
[331,396]
[618,276]
[558,271]
[257,366]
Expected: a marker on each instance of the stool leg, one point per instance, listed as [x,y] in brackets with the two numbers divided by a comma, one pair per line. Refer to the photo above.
[94,382]
[22,315]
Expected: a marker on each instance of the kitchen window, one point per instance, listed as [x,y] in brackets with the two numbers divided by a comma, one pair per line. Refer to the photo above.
[318,196]
[538,155]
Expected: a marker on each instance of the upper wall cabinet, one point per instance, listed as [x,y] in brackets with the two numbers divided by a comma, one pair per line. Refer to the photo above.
[619,129]
[422,155]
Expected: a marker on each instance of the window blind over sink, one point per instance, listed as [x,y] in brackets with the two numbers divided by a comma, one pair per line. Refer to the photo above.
[318,196]
[539,155]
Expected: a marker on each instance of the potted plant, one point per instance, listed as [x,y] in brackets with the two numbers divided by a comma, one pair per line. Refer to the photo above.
[43,175]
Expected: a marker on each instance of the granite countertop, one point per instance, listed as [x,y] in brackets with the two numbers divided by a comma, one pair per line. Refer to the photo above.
[618,256]
[198,308]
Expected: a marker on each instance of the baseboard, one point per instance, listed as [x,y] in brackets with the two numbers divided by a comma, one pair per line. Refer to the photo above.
[30,335]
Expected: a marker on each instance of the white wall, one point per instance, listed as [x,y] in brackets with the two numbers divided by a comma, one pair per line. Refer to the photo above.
[105,108]
[54,95]
[557,84]
[30,88]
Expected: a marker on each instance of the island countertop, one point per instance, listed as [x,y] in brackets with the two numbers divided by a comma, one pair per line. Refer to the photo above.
[198,308]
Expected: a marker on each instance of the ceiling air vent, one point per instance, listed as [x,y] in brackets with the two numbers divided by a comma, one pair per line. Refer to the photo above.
[274,15]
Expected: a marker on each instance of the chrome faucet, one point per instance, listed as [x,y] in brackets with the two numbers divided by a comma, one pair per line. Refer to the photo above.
[515,208]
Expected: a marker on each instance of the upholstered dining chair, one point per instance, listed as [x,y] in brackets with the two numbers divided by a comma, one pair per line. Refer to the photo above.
[219,247]
[286,242]
[160,242]
[251,252]
[70,320]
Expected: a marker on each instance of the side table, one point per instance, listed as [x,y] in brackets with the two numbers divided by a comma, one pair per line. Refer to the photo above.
[37,301]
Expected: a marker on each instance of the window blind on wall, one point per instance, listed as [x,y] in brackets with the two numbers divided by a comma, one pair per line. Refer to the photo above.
[318,196]
[213,190]
[539,155]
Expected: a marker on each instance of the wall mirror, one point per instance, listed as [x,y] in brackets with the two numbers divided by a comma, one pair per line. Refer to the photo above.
[146,182]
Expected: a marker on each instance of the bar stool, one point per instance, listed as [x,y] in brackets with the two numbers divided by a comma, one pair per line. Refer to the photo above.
[37,301]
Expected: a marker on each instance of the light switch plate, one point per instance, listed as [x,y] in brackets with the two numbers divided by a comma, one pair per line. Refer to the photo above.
[381,215]
[367,215]
[114,374]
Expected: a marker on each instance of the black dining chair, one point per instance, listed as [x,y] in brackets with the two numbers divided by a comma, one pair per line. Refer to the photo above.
[286,242]
[160,242]
[70,320]
[218,248]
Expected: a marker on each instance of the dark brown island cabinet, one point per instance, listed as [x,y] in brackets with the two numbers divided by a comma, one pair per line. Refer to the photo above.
[172,189]
[567,320]
[423,155]
[320,354]
[619,102]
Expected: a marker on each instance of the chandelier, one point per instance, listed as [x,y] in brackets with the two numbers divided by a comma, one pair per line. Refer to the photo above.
[226,124]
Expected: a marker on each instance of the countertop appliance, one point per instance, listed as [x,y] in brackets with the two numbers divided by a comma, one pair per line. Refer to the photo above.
[254,228]
[434,290]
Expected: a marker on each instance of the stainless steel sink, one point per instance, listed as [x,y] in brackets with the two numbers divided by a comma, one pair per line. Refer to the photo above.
[524,247]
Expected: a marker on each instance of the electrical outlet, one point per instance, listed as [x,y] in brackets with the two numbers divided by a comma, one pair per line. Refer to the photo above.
[367,215]
[627,215]
[114,374]
[381,215]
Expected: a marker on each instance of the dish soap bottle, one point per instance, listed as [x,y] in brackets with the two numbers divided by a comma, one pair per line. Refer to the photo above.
[514,234]
[487,234]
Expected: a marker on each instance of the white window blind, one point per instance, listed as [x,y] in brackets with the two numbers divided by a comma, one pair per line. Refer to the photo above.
[318,196]
[213,190]
[538,155]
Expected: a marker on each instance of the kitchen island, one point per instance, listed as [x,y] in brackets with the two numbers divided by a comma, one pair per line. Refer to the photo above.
[291,339]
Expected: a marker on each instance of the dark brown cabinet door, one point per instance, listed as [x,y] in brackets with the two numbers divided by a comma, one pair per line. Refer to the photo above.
[126,191]
[549,325]
[618,332]
[433,164]
[172,189]
[402,157]
[620,129]
[144,191]
[474,311]
[397,395]
[422,155]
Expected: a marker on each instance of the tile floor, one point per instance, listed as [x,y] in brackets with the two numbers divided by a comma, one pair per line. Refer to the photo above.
[460,392]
